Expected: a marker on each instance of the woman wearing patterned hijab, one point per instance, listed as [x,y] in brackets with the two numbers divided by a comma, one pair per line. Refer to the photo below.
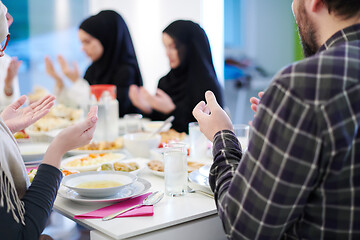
[106,40]
[192,74]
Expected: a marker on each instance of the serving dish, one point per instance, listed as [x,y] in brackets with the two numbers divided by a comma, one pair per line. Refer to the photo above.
[90,162]
[126,165]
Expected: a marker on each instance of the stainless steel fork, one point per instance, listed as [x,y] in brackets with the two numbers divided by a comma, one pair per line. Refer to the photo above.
[190,190]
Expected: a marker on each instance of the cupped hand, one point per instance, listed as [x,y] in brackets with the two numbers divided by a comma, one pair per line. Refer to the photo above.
[72,137]
[17,118]
[71,73]
[161,102]
[211,117]
[138,99]
[79,134]
[49,67]
[255,101]
[12,71]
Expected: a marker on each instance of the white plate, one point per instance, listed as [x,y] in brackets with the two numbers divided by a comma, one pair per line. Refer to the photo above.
[161,174]
[198,178]
[205,170]
[157,173]
[94,167]
[36,162]
[78,152]
[141,162]
[37,136]
[72,181]
[136,189]
[33,151]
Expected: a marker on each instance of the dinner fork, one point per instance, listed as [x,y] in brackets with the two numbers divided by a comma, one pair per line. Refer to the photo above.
[190,190]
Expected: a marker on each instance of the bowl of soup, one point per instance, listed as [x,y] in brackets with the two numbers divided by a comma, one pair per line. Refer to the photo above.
[98,184]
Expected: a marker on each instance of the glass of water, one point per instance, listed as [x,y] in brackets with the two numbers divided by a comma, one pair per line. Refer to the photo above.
[198,142]
[133,123]
[242,132]
[175,169]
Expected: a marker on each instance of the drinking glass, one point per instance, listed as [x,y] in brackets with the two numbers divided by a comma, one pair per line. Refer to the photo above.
[198,141]
[133,123]
[175,169]
[242,132]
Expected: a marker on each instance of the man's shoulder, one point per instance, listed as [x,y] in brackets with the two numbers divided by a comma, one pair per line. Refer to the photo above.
[322,76]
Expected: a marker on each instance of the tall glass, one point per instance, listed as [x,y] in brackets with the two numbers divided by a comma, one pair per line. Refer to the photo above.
[198,141]
[133,123]
[242,132]
[175,169]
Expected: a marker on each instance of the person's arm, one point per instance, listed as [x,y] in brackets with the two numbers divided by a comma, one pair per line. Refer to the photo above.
[262,193]
[10,90]
[38,202]
[39,198]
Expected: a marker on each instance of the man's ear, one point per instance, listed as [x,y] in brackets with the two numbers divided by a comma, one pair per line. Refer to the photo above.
[316,5]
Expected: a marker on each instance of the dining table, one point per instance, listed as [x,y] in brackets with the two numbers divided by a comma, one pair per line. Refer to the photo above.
[192,216]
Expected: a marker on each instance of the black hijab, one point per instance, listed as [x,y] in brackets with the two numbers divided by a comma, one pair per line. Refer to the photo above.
[196,73]
[111,30]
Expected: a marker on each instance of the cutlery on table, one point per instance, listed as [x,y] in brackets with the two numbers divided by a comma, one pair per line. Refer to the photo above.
[152,199]
[168,120]
[190,190]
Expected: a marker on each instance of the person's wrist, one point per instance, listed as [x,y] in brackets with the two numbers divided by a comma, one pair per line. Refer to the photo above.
[8,90]
[56,149]
[171,109]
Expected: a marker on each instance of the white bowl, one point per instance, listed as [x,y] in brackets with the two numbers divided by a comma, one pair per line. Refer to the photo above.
[72,181]
[32,151]
[139,144]
[154,125]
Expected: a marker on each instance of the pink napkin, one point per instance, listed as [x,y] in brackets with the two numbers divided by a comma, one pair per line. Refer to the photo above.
[137,212]
[28,169]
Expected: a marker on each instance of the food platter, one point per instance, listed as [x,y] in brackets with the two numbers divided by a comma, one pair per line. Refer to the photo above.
[82,152]
[100,147]
[90,162]
[140,162]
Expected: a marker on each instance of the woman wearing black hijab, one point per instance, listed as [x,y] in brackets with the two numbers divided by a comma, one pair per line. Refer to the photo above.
[105,38]
[192,74]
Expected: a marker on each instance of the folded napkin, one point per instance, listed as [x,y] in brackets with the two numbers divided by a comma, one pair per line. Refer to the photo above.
[137,212]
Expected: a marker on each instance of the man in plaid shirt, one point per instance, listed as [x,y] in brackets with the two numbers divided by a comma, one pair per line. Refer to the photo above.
[300,177]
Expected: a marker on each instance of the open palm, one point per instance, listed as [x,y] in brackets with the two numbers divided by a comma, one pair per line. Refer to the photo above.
[17,118]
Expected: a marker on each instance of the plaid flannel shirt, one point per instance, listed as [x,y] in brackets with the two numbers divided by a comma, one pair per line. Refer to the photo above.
[300,177]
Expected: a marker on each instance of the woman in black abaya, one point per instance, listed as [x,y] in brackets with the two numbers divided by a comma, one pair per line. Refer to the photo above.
[192,74]
[106,40]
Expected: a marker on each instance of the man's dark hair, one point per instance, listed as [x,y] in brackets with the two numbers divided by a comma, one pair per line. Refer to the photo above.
[343,8]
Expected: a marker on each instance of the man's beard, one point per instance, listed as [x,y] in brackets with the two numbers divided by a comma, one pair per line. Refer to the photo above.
[307,33]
